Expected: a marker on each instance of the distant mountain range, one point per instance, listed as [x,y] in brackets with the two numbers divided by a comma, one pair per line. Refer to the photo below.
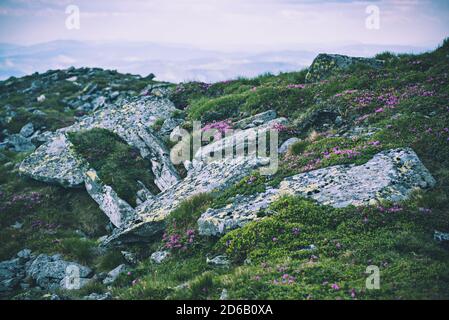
[174,63]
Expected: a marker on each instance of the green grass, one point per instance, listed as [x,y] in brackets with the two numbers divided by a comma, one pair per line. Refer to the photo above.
[117,164]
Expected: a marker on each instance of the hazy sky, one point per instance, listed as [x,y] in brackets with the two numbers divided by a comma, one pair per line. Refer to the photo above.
[223,24]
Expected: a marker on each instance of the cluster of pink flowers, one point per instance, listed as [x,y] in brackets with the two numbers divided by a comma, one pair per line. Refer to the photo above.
[279,127]
[395,208]
[296,86]
[39,224]
[285,280]
[178,241]
[26,200]
[221,127]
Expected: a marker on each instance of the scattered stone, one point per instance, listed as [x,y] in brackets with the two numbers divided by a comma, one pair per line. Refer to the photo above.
[224,295]
[119,212]
[41,98]
[219,261]
[390,175]
[99,296]
[129,257]
[27,130]
[159,256]
[256,120]
[19,143]
[441,236]
[325,65]
[48,271]
[114,274]
[202,178]
[286,145]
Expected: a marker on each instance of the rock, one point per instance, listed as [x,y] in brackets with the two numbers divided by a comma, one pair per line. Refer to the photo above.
[168,126]
[27,130]
[39,113]
[19,143]
[390,175]
[41,98]
[242,210]
[48,271]
[219,261]
[99,296]
[159,256]
[238,141]
[325,65]
[441,236]
[119,212]
[224,295]
[129,257]
[11,273]
[71,283]
[286,145]
[98,102]
[256,120]
[17,225]
[24,255]
[114,274]
[202,178]
[55,161]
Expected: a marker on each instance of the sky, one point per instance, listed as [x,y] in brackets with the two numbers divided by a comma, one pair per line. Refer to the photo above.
[227,24]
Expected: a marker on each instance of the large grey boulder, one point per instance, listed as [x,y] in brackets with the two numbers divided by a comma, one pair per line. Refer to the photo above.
[119,212]
[55,161]
[242,210]
[256,120]
[114,274]
[239,140]
[324,65]
[203,178]
[287,144]
[49,271]
[19,143]
[159,256]
[389,176]
[11,273]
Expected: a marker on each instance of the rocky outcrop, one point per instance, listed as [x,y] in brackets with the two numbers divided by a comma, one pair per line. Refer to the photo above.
[52,272]
[56,162]
[202,178]
[325,65]
[256,120]
[239,140]
[119,212]
[114,274]
[242,210]
[389,176]
[287,144]
[46,272]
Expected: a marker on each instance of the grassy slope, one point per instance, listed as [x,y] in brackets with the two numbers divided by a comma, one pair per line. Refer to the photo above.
[398,240]
[268,256]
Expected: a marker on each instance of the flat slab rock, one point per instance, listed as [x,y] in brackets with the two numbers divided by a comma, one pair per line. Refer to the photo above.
[390,175]
[201,179]
[56,162]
